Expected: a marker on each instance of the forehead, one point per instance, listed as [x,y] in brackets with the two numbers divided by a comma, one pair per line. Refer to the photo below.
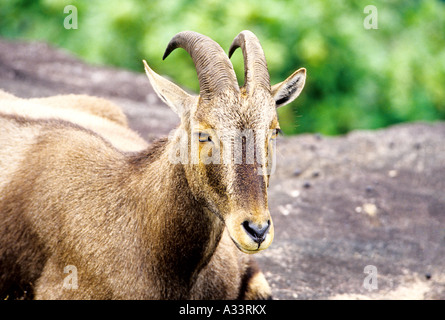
[237,113]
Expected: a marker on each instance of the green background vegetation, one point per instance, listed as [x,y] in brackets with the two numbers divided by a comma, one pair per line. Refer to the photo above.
[357,78]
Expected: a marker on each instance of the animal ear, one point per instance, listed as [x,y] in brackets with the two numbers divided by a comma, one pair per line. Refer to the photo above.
[287,91]
[176,98]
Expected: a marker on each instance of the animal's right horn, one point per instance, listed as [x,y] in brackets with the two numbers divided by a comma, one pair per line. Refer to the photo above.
[255,66]
[214,69]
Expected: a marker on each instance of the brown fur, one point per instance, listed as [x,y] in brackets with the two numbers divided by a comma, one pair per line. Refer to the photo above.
[79,188]
[108,231]
[94,113]
[93,105]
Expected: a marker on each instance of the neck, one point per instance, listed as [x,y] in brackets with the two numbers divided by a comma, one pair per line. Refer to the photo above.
[180,234]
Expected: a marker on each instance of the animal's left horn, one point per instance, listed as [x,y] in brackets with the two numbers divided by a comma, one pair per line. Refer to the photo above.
[255,66]
[215,71]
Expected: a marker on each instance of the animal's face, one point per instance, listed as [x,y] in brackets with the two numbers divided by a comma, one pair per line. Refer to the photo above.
[228,136]
[232,149]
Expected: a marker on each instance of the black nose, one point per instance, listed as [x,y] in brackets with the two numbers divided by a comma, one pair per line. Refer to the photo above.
[257,233]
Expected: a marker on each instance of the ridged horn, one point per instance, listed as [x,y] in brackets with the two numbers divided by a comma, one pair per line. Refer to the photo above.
[255,65]
[214,69]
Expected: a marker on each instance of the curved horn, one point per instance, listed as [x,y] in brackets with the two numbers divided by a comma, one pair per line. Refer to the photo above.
[255,66]
[214,69]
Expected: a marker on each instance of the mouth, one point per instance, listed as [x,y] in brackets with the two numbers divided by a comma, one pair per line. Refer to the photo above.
[248,251]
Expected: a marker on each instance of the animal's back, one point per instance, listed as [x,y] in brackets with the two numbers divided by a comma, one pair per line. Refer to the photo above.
[42,162]
[37,139]
[19,125]
[15,140]
[17,239]
[95,114]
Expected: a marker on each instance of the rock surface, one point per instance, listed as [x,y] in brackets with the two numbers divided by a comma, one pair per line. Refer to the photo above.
[339,204]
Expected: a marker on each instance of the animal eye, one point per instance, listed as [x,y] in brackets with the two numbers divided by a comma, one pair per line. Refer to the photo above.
[275,133]
[204,137]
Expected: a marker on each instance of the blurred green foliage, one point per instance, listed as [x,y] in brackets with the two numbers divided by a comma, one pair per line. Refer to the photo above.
[357,78]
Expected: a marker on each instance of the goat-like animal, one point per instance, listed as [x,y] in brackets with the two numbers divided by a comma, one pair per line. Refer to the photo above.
[79,188]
